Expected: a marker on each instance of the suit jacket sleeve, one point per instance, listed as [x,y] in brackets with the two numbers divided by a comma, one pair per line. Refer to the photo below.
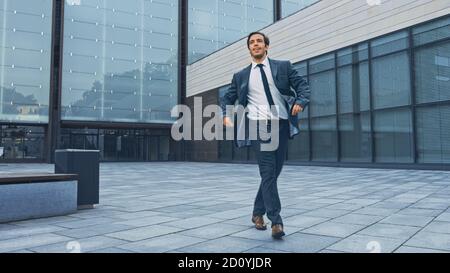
[230,96]
[300,86]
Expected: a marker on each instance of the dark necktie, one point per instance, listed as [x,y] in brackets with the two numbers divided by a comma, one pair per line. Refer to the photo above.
[266,86]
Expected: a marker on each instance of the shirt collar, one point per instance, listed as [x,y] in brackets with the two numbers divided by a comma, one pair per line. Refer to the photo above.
[265,63]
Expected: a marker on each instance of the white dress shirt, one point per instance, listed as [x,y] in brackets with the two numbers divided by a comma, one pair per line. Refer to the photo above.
[258,105]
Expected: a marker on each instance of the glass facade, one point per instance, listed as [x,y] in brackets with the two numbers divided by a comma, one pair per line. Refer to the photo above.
[386,100]
[120,60]
[289,7]
[432,96]
[19,142]
[25,54]
[120,144]
[213,24]
[354,104]
[322,83]
[299,147]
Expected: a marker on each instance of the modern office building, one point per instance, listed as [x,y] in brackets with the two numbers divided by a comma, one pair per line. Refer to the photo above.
[104,74]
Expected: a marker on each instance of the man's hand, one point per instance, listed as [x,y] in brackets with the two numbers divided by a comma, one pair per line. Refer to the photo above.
[227,122]
[296,109]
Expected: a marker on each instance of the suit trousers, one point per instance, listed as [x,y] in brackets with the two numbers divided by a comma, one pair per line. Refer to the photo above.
[270,164]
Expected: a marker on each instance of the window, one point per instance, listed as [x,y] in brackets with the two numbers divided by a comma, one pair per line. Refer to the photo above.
[431,32]
[389,44]
[432,68]
[323,140]
[353,85]
[120,61]
[298,148]
[354,105]
[433,134]
[289,7]
[393,133]
[356,143]
[22,142]
[25,60]
[391,81]
[213,24]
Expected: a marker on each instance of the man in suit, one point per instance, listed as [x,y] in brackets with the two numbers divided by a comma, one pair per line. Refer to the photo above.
[261,87]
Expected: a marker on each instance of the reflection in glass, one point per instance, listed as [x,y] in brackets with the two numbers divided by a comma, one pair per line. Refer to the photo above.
[353,84]
[391,43]
[433,134]
[323,94]
[298,147]
[120,60]
[289,7]
[393,136]
[391,80]
[25,40]
[354,133]
[323,133]
[353,54]
[22,142]
[120,144]
[213,24]
[433,31]
[301,68]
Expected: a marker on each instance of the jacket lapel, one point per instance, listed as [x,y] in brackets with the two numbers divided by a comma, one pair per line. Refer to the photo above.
[273,69]
[245,80]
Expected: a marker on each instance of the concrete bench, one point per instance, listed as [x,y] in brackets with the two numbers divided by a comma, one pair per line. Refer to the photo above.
[36,195]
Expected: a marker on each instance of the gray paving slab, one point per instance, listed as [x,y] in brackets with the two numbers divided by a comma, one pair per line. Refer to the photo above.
[420,212]
[79,246]
[142,233]
[390,231]
[264,250]
[264,235]
[432,240]
[359,219]
[304,221]
[407,220]
[92,231]
[376,211]
[48,220]
[163,243]
[86,222]
[326,213]
[194,222]
[111,250]
[213,231]
[224,244]
[333,229]
[366,244]
[146,221]
[30,241]
[438,227]
[408,249]
[444,217]
[302,243]
[143,203]
[21,231]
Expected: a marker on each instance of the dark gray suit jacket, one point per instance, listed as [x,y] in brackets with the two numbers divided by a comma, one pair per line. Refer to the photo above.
[293,88]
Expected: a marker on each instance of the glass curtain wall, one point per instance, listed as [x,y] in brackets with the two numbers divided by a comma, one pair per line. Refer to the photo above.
[386,100]
[214,24]
[120,60]
[25,54]
[289,7]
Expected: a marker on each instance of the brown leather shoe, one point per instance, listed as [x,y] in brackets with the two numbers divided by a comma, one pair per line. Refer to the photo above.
[277,231]
[259,222]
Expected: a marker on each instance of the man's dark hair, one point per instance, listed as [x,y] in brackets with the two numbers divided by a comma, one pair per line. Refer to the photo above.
[266,39]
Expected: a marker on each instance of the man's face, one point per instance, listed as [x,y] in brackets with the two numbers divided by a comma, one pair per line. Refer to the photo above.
[257,46]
